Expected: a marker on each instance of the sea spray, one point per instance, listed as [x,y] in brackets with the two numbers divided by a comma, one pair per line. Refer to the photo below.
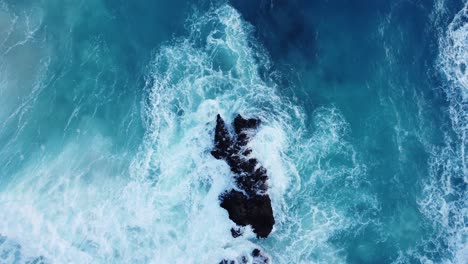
[76,203]
[445,197]
[218,69]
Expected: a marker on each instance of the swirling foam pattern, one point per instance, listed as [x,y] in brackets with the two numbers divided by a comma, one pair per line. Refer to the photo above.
[108,109]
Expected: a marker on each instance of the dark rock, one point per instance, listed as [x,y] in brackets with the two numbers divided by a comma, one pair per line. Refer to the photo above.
[259,257]
[236,232]
[38,260]
[222,140]
[251,205]
[225,261]
[241,124]
[255,182]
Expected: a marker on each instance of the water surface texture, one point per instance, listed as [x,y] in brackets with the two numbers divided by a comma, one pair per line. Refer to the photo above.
[108,109]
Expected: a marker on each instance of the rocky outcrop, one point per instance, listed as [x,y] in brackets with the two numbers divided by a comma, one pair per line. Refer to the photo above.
[255,211]
[258,257]
[250,203]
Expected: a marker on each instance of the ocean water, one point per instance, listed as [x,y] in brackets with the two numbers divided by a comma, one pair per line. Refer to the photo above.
[107,115]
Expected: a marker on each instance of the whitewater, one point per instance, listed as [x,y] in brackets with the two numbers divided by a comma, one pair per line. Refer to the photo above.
[105,159]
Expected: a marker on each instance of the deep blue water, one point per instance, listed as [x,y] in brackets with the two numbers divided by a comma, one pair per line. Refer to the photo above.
[107,111]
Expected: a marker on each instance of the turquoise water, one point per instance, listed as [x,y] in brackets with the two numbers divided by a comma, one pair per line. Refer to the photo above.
[107,112]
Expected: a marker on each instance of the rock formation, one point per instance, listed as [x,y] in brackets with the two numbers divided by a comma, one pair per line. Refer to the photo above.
[250,203]
[258,257]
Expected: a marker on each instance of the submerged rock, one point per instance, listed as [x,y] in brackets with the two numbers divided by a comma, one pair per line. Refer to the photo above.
[225,261]
[236,232]
[250,205]
[258,257]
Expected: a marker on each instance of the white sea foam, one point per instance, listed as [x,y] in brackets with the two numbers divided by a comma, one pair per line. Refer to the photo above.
[445,199]
[214,70]
[78,206]
[454,52]
[453,60]
[217,70]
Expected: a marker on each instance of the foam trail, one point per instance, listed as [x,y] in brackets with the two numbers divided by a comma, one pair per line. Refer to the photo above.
[23,61]
[445,196]
[453,61]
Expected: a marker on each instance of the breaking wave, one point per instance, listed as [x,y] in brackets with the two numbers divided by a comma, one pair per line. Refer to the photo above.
[445,195]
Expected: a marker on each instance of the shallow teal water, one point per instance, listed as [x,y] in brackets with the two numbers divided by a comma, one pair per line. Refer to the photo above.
[107,111]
